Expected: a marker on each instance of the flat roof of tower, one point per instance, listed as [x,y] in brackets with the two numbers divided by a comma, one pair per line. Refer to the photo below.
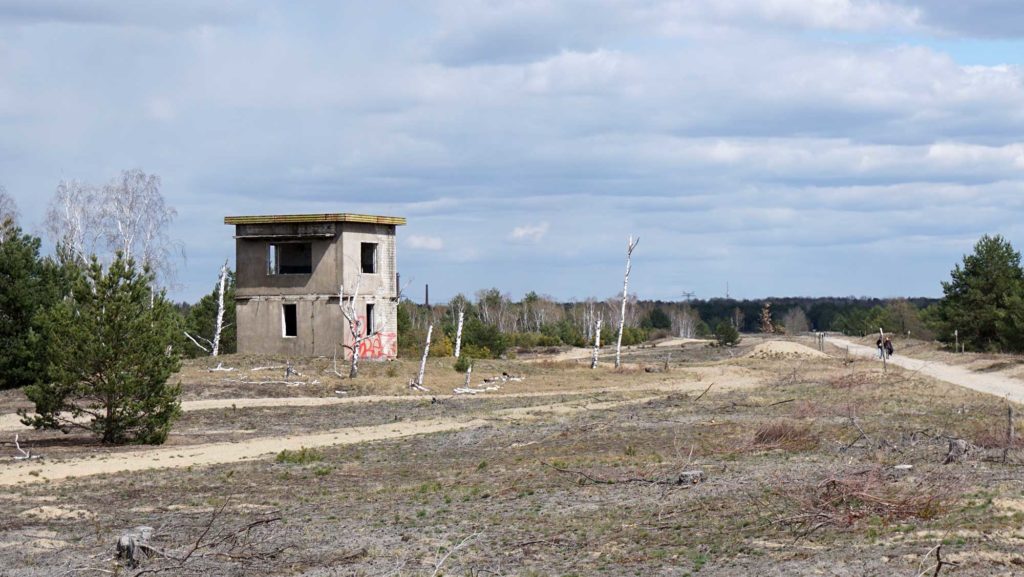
[303,218]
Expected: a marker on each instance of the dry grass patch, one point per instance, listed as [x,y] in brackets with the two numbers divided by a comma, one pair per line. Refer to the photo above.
[845,500]
[786,436]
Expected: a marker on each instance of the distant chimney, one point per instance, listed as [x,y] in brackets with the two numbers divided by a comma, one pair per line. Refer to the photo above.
[426,294]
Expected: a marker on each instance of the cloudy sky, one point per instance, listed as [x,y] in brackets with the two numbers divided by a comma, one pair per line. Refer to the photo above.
[785,147]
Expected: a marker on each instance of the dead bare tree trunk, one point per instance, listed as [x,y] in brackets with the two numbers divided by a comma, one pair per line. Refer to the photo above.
[597,345]
[458,334]
[1010,433]
[355,325]
[423,361]
[220,309]
[630,245]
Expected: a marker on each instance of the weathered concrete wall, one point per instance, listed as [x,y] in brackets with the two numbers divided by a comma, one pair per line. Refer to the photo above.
[320,325]
[251,262]
[260,326]
[382,283]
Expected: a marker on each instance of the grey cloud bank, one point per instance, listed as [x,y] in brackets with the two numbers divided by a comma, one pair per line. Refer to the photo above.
[811,147]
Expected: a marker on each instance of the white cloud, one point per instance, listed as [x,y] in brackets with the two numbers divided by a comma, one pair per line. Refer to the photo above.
[530,232]
[420,242]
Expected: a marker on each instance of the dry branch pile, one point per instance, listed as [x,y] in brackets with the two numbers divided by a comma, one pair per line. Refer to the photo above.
[843,500]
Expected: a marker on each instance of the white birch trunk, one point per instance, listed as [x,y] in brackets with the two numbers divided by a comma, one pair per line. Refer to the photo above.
[426,351]
[220,309]
[597,344]
[469,375]
[458,334]
[630,245]
[357,329]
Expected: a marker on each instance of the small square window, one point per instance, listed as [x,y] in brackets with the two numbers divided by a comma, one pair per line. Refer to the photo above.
[369,257]
[290,258]
[289,320]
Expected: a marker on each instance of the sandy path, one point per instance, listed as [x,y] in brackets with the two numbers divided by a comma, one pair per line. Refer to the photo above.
[729,378]
[581,353]
[219,453]
[993,384]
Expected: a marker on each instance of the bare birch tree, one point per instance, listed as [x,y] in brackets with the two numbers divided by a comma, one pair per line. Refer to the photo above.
[458,331]
[597,344]
[136,220]
[127,215]
[355,325]
[220,309]
[685,322]
[8,208]
[423,361]
[630,245]
[73,219]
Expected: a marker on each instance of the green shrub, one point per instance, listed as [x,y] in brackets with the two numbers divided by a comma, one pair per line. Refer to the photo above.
[726,334]
[475,352]
[548,341]
[303,456]
[463,362]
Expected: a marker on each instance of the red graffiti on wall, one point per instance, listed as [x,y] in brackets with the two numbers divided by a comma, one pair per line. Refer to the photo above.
[380,345]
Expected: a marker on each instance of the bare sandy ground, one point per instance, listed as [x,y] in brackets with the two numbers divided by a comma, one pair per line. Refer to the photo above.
[993,384]
[785,350]
[218,453]
[728,377]
[580,353]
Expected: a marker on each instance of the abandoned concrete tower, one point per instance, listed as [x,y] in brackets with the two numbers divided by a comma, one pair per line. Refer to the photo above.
[289,274]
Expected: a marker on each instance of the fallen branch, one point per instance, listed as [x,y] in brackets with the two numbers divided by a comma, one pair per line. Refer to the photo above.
[195,342]
[700,396]
[221,367]
[286,383]
[25,455]
[939,563]
[453,550]
[472,391]
[685,479]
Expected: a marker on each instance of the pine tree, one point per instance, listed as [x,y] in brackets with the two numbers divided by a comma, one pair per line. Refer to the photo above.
[109,356]
[726,334]
[27,286]
[984,300]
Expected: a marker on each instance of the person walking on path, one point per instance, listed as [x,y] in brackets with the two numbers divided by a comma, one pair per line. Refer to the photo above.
[888,347]
[878,345]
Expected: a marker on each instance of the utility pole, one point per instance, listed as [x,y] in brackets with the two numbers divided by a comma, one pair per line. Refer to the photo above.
[689,295]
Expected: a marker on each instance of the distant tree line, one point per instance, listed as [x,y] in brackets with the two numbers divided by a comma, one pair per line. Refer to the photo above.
[495,323]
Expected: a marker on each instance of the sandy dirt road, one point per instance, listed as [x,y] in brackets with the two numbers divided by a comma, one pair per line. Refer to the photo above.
[218,453]
[725,377]
[993,384]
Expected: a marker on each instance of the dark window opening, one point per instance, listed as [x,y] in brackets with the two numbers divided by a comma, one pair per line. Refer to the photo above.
[290,258]
[369,257]
[369,319]
[289,321]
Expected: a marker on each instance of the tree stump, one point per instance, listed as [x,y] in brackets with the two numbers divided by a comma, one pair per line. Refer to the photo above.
[690,478]
[958,449]
[133,545]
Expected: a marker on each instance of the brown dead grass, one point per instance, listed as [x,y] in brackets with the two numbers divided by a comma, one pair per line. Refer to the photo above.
[786,436]
[848,499]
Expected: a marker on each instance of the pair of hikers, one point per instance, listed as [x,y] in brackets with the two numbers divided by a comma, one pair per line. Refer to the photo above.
[884,347]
